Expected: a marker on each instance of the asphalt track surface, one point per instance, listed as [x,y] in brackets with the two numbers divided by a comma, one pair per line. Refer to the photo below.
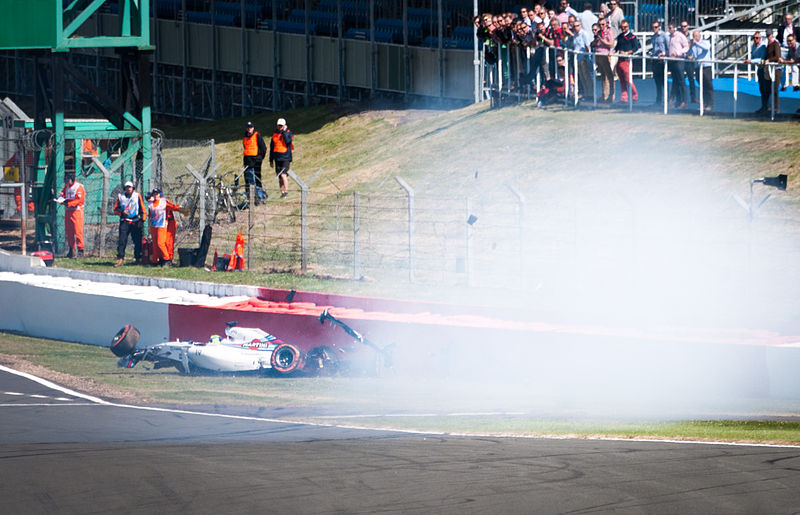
[61,452]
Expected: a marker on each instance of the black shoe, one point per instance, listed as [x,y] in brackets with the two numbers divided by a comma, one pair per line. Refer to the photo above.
[283,195]
[167,263]
[80,253]
[69,254]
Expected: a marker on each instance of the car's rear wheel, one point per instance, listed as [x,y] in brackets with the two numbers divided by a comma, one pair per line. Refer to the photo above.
[125,341]
[286,358]
[322,361]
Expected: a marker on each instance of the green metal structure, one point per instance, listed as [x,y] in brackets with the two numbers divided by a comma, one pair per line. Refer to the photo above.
[48,29]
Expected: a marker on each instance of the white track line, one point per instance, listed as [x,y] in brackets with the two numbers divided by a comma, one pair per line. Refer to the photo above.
[45,382]
[34,404]
[99,401]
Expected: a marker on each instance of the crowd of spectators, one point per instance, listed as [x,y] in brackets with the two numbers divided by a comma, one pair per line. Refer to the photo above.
[605,37]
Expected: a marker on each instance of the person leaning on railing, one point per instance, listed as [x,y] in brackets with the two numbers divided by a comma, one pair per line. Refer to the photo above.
[700,52]
[770,84]
[604,43]
[659,48]
[790,60]
[581,42]
[678,46]
[627,44]
[758,50]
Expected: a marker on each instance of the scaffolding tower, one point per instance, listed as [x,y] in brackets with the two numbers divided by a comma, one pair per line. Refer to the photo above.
[47,30]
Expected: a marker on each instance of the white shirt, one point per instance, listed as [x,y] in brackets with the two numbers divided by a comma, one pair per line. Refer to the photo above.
[588,19]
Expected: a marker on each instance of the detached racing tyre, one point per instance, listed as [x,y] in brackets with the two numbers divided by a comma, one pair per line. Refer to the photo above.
[125,341]
[286,358]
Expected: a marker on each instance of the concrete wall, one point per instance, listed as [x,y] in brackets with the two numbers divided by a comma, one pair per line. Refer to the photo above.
[80,317]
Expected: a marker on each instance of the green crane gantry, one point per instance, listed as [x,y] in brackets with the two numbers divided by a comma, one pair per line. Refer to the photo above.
[49,29]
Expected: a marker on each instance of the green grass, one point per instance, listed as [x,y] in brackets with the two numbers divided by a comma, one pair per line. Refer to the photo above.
[95,366]
[759,431]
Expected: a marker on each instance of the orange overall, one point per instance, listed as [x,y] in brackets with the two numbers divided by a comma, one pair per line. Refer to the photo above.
[74,197]
[158,229]
[172,228]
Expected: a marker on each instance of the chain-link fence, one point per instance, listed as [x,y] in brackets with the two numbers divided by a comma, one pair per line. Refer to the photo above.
[501,237]
[487,234]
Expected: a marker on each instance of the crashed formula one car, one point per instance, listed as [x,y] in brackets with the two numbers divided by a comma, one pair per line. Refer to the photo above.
[250,349]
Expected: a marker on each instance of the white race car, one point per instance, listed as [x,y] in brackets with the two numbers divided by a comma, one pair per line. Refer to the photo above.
[243,349]
[249,349]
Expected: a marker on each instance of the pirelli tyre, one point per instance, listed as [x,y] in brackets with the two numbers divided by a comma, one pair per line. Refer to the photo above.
[286,358]
[125,341]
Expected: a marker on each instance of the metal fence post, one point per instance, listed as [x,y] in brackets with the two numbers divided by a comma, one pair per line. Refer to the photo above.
[665,92]
[23,191]
[303,217]
[356,235]
[203,183]
[251,201]
[411,196]
[735,88]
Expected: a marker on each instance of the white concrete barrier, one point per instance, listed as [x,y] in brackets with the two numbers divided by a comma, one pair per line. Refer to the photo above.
[77,316]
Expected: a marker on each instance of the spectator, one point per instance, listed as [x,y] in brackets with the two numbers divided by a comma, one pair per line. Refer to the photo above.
[758,51]
[254,150]
[784,31]
[538,60]
[614,18]
[73,196]
[660,48]
[627,44]
[688,67]
[280,153]
[791,60]
[554,88]
[539,16]
[587,18]
[132,213]
[678,46]
[552,39]
[566,36]
[604,43]
[700,52]
[772,77]
[604,12]
[524,16]
[157,212]
[481,31]
[581,42]
[533,17]
[564,11]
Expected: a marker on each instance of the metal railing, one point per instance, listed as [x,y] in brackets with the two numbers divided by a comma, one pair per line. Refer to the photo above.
[494,84]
